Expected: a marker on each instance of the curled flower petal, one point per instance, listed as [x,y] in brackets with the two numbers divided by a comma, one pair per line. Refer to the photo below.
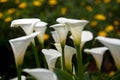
[51,56]
[41,74]
[55,36]
[97,53]
[26,24]
[114,47]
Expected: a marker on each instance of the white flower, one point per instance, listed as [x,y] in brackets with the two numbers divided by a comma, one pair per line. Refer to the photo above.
[75,26]
[62,32]
[27,24]
[85,37]
[41,74]
[40,27]
[69,52]
[55,36]
[51,56]
[97,54]
[22,78]
[114,47]
[19,46]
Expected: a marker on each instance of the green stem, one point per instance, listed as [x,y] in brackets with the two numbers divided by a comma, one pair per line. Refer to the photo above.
[19,70]
[63,58]
[80,70]
[36,56]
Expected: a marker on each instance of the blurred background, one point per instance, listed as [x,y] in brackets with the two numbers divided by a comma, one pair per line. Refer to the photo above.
[104,17]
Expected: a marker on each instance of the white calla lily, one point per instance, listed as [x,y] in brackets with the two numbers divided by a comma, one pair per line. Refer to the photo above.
[19,46]
[97,54]
[75,26]
[27,24]
[62,32]
[51,56]
[69,52]
[85,37]
[41,74]
[55,36]
[22,78]
[40,27]
[114,47]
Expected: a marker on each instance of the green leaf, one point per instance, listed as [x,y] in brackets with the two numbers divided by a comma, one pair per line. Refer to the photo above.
[63,75]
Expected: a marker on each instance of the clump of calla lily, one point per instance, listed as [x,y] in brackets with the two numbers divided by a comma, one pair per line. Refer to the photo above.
[41,74]
[19,47]
[97,54]
[51,56]
[113,45]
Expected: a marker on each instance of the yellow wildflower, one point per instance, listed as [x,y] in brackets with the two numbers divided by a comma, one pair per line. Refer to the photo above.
[37,3]
[1,15]
[118,1]
[46,36]
[109,28]
[111,73]
[22,5]
[100,17]
[116,22]
[107,1]
[89,8]
[8,19]
[97,1]
[52,2]
[93,23]
[17,1]
[102,33]
[11,11]
[3,1]
[63,10]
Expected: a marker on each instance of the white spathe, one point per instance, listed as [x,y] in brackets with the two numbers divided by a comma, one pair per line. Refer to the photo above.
[41,74]
[55,36]
[69,52]
[22,78]
[51,56]
[62,32]
[85,37]
[40,27]
[19,46]
[114,46]
[97,54]
[27,24]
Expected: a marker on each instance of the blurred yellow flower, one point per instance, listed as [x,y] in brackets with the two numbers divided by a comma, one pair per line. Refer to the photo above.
[52,2]
[1,15]
[3,1]
[107,1]
[63,10]
[97,1]
[112,73]
[109,28]
[11,11]
[46,36]
[89,8]
[17,1]
[22,5]
[118,1]
[116,22]
[8,19]
[37,3]
[93,23]
[102,33]
[100,17]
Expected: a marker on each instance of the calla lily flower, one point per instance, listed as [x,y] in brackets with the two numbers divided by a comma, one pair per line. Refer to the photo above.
[97,54]
[51,56]
[62,32]
[22,78]
[41,74]
[69,52]
[55,36]
[19,46]
[40,27]
[86,36]
[26,24]
[75,27]
[114,47]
